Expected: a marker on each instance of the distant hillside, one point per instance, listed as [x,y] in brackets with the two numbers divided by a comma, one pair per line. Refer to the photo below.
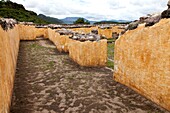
[50,19]
[71,20]
[17,11]
[113,22]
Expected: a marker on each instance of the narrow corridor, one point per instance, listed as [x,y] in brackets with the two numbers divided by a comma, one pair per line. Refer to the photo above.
[49,82]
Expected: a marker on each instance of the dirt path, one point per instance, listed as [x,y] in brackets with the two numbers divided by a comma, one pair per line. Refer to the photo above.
[49,82]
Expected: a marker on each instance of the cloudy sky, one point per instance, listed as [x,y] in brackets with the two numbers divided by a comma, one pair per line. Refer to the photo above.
[95,9]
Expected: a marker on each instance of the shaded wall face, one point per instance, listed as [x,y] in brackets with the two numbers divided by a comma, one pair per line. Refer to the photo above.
[9,46]
[142,61]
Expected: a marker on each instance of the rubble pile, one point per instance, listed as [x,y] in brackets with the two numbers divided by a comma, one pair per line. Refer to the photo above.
[166,13]
[80,36]
[105,27]
[150,19]
[64,31]
[7,23]
[85,37]
[54,26]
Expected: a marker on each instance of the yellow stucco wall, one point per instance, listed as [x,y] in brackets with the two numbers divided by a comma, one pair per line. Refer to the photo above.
[89,53]
[41,32]
[108,32]
[142,61]
[61,41]
[117,29]
[105,32]
[27,32]
[9,46]
[84,30]
[96,55]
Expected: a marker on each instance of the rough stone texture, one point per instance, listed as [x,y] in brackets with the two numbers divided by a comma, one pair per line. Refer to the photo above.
[89,53]
[105,32]
[142,61]
[9,45]
[84,30]
[52,35]
[108,32]
[41,32]
[27,32]
[30,32]
[118,29]
[166,14]
[61,41]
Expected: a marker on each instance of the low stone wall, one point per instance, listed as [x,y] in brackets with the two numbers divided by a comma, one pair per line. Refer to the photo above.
[84,30]
[27,32]
[89,53]
[117,29]
[108,32]
[105,32]
[142,61]
[61,41]
[41,32]
[9,46]
[51,35]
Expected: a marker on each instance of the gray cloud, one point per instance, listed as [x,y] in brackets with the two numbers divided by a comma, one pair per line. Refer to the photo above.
[95,9]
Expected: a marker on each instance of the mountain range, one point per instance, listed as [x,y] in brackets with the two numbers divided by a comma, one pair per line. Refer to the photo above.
[51,20]
[71,20]
[10,9]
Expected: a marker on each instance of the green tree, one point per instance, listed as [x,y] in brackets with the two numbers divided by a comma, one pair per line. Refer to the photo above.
[81,21]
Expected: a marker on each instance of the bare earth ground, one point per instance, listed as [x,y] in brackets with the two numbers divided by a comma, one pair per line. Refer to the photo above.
[50,82]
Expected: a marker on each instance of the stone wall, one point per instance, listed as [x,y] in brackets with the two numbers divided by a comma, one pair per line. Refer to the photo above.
[41,32]
[61,41]
[27,32]
[84,53]
[108,32]
[117,29]
[84,30]
[142,61]
[105,32]
[89,53]
[9,46]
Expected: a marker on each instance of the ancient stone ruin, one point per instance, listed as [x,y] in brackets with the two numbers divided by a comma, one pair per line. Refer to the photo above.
[142,52]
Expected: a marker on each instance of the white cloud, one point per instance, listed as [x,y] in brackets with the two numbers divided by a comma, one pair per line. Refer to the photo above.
[95,9]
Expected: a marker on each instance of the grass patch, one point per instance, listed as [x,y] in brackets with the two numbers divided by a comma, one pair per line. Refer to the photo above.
[110,64]
[110,40]
[36,46]
[110,50]
[110,54]
[50,64]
